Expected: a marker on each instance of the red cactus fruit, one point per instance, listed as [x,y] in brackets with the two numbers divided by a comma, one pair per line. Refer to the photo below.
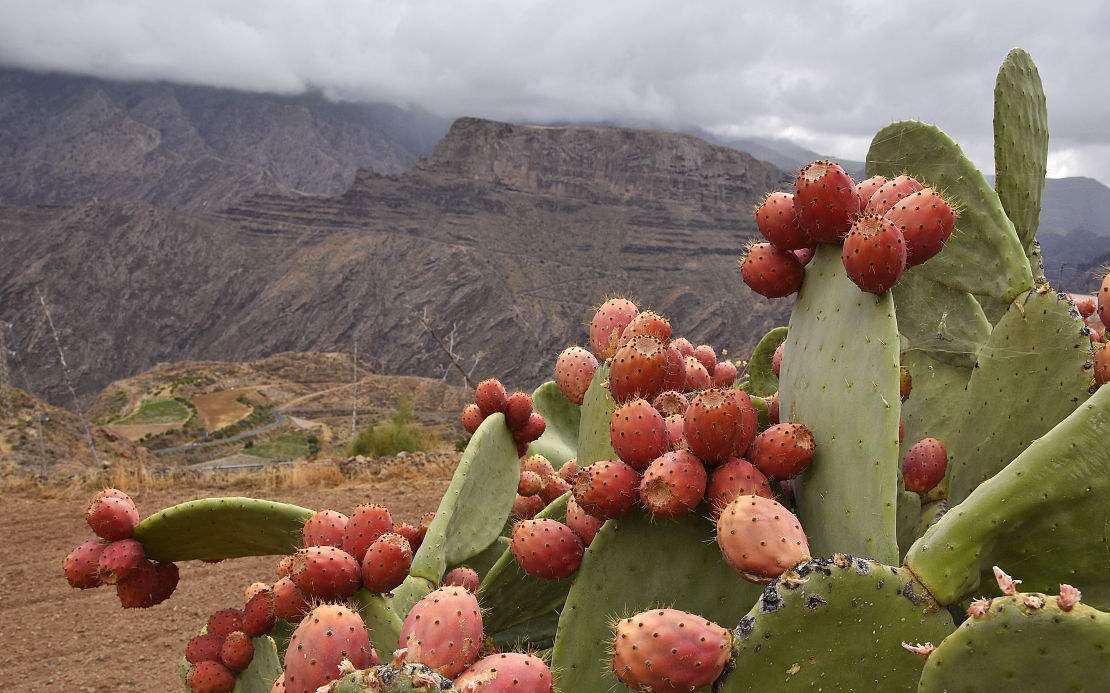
[868,188]
[676,432]
[259,613]
[409,532]
[905,383]
[901,430]
[517,410]
[713,424]
[237,651]
[783,451]
[82,565]
[569,470]
[889,193]
[326,636]
[778,222]
[532,429]
[926,220]
[464,577]
[607,489]
[776,359]
[254,588]
[210,677]
[773,409]
[581,522]
[367,523]
[1104,300]
[119,560]
[325,573]
[471,418]
[289,602]
[706,356]
[760,539]
[608,325]
[771,272]
[574,370]
[540,465]
[283,566]
[673,484]
[650,323]
[874,254]
[697,378]
[530,483]
[826,201]
[553,488]
[423,526]
[749,420]
[112,515]
[638,433]
[546,548]
[1102,365]
[684,346]
[386,563]
[140,589]
[490,396]
[736,477]
[506,672]
[325,528]
[669,651]
[724,374]
[674,377]
[1084,304]
[225,621]
[804,255]
[924,464]
[670,403]
[166,577]
[638,369]
[526,507]
[204,648]
[444,631]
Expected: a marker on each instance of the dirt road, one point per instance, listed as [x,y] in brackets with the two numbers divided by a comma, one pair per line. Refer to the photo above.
[57,639]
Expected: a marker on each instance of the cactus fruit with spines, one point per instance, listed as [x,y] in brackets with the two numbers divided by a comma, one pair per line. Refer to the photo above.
[863,547]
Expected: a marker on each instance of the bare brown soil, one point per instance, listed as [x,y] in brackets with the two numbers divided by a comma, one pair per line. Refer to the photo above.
[59,639]
[219,409]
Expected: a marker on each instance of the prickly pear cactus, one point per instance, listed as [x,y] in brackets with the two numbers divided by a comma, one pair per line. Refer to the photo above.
[559,441]
[762,380]
[215,529]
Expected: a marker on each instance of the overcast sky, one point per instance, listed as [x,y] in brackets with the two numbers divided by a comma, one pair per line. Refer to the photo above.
[825,74]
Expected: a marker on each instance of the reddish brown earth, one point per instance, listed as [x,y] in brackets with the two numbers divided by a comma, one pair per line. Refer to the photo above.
[60,639]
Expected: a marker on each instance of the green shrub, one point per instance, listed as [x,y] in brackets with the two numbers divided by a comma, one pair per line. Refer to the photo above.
[400,434]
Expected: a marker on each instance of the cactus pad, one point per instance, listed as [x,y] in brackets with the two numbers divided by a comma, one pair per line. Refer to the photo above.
[835,625]
[762,380]
[1020,142]
[382,622]
[597,408]
[839,377]
[947,324]
[559,441]
[935,405]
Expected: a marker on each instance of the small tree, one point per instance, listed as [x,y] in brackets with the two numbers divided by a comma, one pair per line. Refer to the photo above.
[400,433]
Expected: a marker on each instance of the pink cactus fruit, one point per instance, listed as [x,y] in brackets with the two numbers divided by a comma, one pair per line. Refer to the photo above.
[553,488]
[905,383]
[506,672]
[783,451]
[526,507]
[82,565]
[237,651]
[119,560]
[546,548]
[1104,300]
[386,563]
[532,429]
[716,424]
[569,470]
[204,648]
[471,418]
[149,584]
[530,483]
[328,635]
[1102,364]
[518,409]
[778,222]
[670,402]
[673,484]
[462,576]
[325,528]
[674,377]
[684,346]
[581,522]
[210,677]
[889,193]
[1084,304]
[669,651]
[1069,597]
[444,631]
[724,374]
[676,432]
[574,370]
[608,325]
[697,378]
[776,359]
[773,409]
[225,621]
[868,188]
[638,369]
[760,538]
[638,433]
[736,477]
[410,532]
[259,613]
[607,489]
[923,465]
[289,602]
[540,465]
[254,588]
[367,523]
[325,573]
[706,356]
[874,253]
[112,515]
[926,220]
[648,322]
[826,201]
[490,396]
[771,272]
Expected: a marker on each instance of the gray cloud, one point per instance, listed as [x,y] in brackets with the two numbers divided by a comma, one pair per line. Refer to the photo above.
[825,74]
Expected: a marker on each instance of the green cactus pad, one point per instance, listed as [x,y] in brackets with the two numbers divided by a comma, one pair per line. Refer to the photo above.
[762,380]
[597,409]
[840,378]
[519,608]
[1044,515]
[482,562]
[1018,647]
[412,590]
[213,529]
[947,324]
[259,676]
[382,622]
[835,625]
[935,405]
[476,504]
[559,441]
[1020,142]
[1031,375]
[984,236]
[636,563]
[909,512]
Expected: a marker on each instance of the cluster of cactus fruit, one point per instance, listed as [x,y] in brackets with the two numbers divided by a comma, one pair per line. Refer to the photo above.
[931,412]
